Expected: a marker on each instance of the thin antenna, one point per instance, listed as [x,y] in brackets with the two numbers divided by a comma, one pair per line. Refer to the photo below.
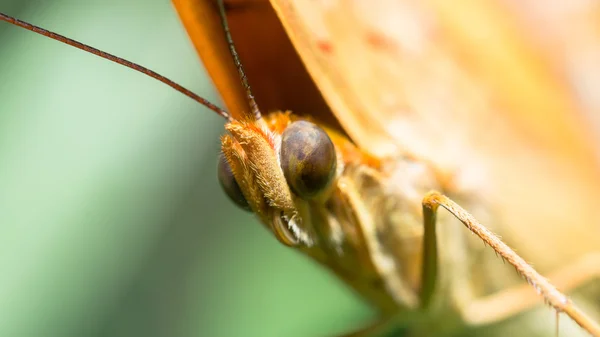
[238,64]
[118,60]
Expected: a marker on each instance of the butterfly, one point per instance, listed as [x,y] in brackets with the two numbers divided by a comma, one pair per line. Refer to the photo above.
[471,88]
[325,48]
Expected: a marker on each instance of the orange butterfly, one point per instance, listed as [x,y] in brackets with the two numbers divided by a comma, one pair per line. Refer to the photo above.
[333,53]
[476,91]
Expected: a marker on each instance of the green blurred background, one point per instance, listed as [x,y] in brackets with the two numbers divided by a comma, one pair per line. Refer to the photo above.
[112,222]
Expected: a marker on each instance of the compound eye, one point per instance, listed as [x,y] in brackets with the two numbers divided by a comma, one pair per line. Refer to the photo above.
[308,159]
[230,185]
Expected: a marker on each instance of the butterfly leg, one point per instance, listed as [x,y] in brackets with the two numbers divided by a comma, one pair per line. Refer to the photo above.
[520,298]
[395,325]
[548,291]
[375,330]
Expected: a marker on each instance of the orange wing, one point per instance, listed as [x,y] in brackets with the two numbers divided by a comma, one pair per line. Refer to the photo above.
[262,44]
[498,93]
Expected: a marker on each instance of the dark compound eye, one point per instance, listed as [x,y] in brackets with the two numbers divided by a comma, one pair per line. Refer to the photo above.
[230,185]
[308,158]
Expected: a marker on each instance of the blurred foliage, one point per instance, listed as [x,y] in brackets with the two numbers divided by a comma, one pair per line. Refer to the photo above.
[112,222]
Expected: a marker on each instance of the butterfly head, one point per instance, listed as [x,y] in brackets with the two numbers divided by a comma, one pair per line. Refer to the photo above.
[273,166]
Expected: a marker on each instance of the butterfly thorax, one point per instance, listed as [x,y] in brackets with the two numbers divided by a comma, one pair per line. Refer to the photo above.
[370,230]
[368,227]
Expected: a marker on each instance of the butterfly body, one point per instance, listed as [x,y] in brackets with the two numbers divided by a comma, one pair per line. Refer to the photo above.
[368,229]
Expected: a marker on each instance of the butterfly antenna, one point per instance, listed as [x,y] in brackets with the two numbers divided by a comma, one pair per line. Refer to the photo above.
[236,60]
[118,60]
